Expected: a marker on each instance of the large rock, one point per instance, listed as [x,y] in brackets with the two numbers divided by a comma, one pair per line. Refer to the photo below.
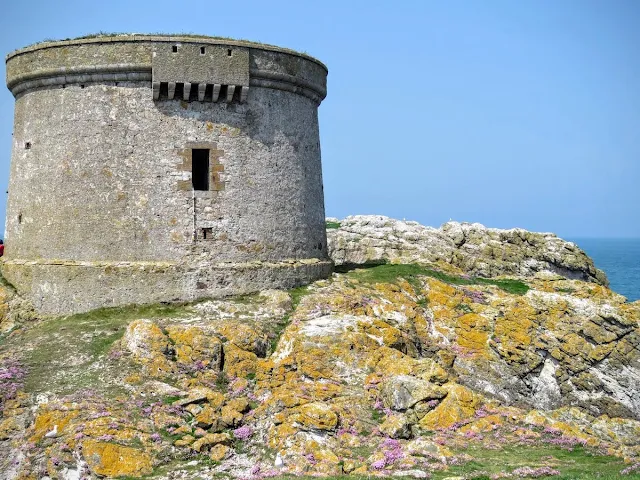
[402,392]
[111,460]
[471,247]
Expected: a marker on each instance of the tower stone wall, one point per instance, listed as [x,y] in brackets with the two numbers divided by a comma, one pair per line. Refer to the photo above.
[109,133]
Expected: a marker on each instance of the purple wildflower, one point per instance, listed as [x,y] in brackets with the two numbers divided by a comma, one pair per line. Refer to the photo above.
[243,433]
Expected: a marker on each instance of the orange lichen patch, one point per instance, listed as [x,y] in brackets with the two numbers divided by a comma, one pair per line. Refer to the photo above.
[388,361]
[472,331]
[484,424]
[243,336]
[442,296]
[207,417]
[573,344]
[316,362]
[459,404]
[219,452]
[230,417]
[280,433]
[147,343]
[315,416]
[111,460]
[514,332]
[7,427]
[48,419]
[195,344]
[238,362]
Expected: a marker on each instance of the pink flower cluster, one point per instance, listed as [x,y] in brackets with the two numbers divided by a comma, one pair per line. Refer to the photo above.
[243,433]
[344,430]
[101,414]
[392,450]
[535,472]
[635,468]
[11,376]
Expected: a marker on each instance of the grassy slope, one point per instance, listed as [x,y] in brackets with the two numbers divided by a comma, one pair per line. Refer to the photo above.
[66,354]
[389,273]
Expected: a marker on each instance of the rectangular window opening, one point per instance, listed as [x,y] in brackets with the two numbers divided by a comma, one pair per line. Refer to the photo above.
[174,49]
[207,233]
[202,50]
[200,168]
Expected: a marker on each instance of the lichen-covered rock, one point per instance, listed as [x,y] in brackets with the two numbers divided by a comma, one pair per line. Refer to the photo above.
[211,440]
[112,460]
[195,346]
[396,426]
[460,404]
[402,392]
[148,344]
[384,371]
[219,452]
[470,247]
[314,416]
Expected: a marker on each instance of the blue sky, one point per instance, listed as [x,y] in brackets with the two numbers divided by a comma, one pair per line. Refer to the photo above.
[506,113]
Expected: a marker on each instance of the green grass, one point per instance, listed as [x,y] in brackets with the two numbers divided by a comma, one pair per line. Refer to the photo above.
[332,225]
[66,354]
[576,464]
[279,327]
[390,273]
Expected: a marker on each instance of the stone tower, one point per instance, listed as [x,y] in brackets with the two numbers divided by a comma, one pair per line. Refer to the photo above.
[160,168]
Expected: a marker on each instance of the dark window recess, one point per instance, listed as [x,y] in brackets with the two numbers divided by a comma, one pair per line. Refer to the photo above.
[200,168]
[229,52]
[27,146]
[202,50]
[174,49]
[19,218]
[207,233]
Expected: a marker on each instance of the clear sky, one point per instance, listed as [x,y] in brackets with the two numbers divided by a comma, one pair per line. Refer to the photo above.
[509,113]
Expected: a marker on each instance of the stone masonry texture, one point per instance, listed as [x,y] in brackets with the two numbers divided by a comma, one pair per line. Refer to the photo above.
[101,209]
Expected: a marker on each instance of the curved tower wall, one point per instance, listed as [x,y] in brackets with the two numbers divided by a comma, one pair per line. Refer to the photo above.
[101,208]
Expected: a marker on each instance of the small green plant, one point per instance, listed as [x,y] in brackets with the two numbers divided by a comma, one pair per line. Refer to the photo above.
[464,308]
[565,290]
[377,416]
[222,382]
[168,400]
[332,225]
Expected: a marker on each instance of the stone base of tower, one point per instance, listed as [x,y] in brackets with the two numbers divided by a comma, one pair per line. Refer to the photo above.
[61,287]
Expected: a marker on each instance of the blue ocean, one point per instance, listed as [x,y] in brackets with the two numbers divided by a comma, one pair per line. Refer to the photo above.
[620,260]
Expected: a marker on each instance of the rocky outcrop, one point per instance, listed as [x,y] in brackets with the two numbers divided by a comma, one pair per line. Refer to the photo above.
[469,247]
[386,370]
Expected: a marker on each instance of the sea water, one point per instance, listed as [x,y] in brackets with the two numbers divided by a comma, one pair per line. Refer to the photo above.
[619,258]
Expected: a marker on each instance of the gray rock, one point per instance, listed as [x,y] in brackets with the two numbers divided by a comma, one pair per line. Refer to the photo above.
[402,392]
[472,247]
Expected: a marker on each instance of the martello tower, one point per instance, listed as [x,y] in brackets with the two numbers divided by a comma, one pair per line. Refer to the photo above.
[158,168]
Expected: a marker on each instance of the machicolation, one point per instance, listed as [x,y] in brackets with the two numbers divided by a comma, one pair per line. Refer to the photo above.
[159,168]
